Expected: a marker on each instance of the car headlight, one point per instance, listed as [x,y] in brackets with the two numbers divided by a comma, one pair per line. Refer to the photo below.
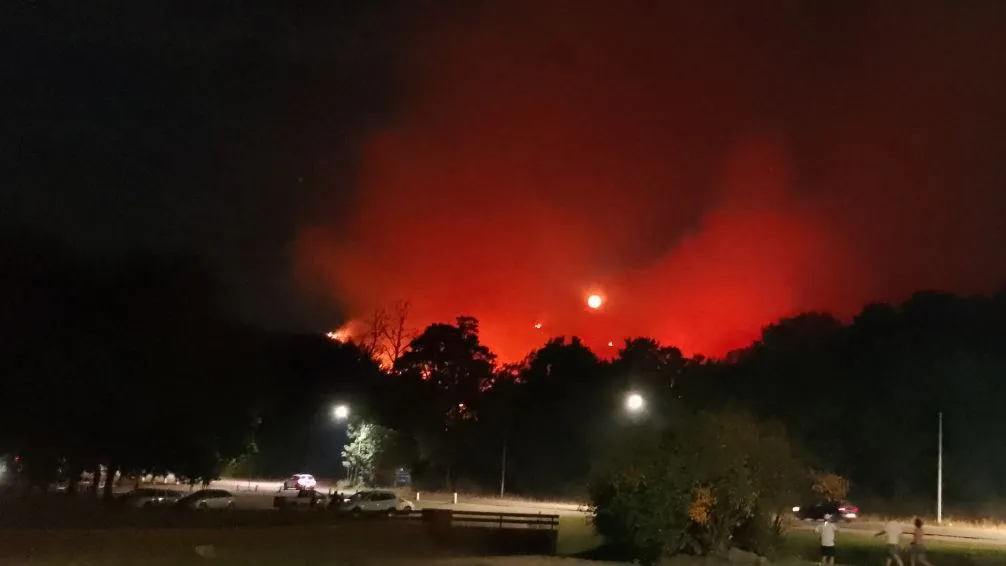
[796,509]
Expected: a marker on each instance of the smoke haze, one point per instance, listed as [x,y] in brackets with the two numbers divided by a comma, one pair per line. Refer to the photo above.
[705,170]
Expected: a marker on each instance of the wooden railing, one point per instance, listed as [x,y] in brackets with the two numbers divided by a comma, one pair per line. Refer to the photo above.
[484,518]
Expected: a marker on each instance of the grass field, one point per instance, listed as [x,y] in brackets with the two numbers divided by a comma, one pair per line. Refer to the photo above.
[313,545]
[350,543]
[866,550]
[363,544]
[577,536]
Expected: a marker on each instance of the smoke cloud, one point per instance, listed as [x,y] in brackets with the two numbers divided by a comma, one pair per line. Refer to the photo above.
[705,169]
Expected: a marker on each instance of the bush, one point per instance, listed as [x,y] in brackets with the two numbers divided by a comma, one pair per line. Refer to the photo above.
[830,486]
[761,533]
[716,480]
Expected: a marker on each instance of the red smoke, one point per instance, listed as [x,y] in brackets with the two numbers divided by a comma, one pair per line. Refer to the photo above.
[706,172]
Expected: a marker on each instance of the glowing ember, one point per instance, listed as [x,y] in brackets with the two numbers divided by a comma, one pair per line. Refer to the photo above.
[340,335]
[537,325]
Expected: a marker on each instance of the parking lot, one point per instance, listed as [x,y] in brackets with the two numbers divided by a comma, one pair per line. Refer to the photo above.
[259,494]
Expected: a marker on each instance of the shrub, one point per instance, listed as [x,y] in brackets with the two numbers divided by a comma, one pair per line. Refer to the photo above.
[830,486]
[696,487]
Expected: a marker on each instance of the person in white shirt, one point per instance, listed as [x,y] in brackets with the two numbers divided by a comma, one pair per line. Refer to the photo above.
[917,552]
[892,530]
[827,531]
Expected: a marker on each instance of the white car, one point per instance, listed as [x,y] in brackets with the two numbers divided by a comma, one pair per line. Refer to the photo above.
[300,482]
[370,502]
[208,499]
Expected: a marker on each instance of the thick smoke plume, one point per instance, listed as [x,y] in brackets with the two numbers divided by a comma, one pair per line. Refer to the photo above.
[705,170]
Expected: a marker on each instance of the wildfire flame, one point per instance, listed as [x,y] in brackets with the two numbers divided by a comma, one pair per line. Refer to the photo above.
[339,335]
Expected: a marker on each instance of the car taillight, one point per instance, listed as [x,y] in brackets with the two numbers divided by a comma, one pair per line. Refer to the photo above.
[841,508]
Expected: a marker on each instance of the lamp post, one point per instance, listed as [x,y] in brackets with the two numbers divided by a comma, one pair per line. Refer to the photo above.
[503,467]
[939,470]
[634,405]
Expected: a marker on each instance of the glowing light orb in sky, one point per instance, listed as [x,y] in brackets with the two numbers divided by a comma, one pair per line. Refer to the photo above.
[634,402]
[594,301]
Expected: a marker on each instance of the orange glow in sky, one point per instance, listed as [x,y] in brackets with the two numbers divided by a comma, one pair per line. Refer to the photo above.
[709,188]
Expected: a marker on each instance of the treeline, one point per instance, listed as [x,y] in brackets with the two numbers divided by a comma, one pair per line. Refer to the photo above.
[860,399]
[130,365]
[124,364]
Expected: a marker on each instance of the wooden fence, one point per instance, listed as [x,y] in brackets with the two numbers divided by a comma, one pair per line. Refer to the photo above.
[451,517]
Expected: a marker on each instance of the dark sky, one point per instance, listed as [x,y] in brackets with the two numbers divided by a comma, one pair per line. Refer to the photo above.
[707,167]
[214,127]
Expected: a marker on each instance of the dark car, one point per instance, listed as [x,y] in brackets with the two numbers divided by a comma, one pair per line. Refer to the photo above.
[149,497]
[838,510]
[305,499]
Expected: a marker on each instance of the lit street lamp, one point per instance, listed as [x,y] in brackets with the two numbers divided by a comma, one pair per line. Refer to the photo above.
[634,402]
[340,412]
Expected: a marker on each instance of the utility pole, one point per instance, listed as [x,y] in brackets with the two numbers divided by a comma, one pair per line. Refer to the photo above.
[503,470]
[939,473]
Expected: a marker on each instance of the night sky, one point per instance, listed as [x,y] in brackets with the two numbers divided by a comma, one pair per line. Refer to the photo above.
[706,169]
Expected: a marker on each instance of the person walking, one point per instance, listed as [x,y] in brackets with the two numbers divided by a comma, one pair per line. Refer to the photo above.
[892,531]
[827,531]
[917,552]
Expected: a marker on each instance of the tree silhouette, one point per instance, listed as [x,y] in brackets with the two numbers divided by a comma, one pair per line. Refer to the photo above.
[447,369]
[100,357]
[397,333]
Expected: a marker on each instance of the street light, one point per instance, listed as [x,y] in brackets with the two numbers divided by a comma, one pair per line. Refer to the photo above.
[634,402]
[340,412]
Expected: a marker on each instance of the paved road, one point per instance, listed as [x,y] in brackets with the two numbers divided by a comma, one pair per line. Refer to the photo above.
[256,494]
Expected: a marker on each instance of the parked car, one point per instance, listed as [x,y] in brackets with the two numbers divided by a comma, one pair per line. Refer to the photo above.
[305,499]
[377,501]
[300,482]
[839,510]
[207,499]
[149,497]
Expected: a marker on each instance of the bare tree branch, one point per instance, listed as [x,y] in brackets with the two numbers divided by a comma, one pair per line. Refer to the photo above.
[397,332]
[373,341]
